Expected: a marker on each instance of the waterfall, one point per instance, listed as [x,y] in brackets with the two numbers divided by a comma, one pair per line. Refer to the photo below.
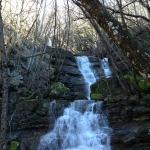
[83,126]
[106,68]
[87,72]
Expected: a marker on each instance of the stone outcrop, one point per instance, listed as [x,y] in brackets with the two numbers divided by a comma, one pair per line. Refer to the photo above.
[129,120]
[72,78]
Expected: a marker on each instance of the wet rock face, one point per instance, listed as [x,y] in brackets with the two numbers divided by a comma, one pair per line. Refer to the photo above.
[130,123]
[29,120]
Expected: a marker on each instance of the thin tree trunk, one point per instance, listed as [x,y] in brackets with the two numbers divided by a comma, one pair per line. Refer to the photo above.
[137,89]
[3,141]
[116,70]
[119,35]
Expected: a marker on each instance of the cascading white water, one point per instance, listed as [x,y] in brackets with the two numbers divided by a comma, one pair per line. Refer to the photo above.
[85,69]
[106,68]
[83,126]
[80,128]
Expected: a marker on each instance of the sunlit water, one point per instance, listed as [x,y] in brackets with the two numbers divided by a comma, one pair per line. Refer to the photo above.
[83,126]
[106,68]
[85,68]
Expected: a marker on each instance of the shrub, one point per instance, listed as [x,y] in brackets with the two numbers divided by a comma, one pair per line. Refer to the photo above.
[143,84]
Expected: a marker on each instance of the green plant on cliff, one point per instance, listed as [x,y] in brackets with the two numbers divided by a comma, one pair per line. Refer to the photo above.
[58,89]
[143,84]
[96,96]
[14,145]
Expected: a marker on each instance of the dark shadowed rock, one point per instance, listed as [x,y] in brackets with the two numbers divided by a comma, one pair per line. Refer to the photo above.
[71,70]
[29,120]
[130,122]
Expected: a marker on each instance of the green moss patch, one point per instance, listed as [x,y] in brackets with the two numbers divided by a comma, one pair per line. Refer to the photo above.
[95,96]
[58,89]
[14,145]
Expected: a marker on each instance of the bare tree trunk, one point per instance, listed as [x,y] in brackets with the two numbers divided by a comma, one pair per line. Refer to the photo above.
[3,141]
[118,73]
[119,35]
[125,26]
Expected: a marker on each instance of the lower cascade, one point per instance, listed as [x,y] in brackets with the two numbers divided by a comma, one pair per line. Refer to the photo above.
[82,126]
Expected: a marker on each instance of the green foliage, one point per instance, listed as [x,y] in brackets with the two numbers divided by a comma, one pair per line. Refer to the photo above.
[14,145]
[95,96]
[143,84]
[58,89]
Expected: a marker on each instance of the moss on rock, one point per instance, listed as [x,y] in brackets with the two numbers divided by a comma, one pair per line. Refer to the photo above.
[58,89]
[96,96]
[102,86]
[14,145]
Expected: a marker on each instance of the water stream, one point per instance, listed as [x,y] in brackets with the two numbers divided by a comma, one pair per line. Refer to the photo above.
[85,68]
[83,126]
[106,68]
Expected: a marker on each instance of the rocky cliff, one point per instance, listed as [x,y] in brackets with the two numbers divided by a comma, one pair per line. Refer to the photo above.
[130,121]
[32,112]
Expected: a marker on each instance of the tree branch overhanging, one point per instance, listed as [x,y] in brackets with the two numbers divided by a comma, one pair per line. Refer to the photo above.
[119,35]
[144,5]
[130,15]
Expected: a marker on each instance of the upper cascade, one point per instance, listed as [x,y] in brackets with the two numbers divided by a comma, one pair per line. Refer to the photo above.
[86,70]
[106,68]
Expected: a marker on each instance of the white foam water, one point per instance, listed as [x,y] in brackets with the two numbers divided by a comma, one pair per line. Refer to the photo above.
[85,68]
[106,68]
[80,128]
